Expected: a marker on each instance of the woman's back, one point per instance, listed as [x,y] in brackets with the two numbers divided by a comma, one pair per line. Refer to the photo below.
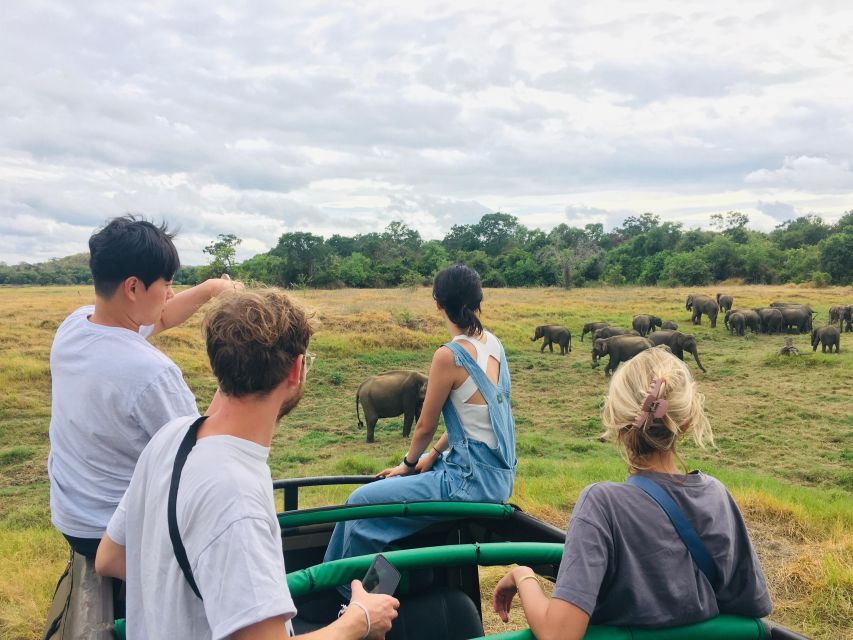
[467,399]
[625,563]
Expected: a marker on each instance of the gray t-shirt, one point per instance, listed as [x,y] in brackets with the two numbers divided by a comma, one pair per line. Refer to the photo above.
[111,391]
[624,563]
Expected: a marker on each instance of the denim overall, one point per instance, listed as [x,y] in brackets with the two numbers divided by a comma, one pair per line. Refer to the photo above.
[469,471]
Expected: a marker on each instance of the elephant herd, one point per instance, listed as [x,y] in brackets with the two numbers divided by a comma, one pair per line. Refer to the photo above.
[399,392]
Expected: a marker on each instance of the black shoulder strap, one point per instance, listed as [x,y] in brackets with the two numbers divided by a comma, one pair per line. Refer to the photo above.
[699,552]
[184,449]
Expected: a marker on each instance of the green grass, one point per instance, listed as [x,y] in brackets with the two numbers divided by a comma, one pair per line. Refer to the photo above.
[783,425]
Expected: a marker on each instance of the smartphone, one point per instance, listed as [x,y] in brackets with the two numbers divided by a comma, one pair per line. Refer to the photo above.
[381,577]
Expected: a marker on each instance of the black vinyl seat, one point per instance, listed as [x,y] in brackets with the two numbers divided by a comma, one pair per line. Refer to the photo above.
[440,612]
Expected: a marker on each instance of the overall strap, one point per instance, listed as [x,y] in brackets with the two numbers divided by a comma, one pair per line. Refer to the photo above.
[496,397]
[686,531]
[184,449]
[484,385]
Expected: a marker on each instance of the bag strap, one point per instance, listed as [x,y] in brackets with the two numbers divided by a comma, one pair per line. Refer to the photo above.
[686,531]
[184,449]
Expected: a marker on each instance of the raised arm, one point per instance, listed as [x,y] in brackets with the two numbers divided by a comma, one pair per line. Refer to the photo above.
[184,304]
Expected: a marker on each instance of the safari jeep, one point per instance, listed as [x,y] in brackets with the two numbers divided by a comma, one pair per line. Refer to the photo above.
[440,587]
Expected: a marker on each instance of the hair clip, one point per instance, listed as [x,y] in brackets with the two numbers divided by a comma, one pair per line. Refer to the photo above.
[653,406]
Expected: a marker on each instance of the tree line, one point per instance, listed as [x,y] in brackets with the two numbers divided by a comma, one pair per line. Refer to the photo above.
[642,251]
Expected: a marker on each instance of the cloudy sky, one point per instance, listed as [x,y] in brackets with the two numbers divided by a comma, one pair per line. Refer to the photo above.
[257,118]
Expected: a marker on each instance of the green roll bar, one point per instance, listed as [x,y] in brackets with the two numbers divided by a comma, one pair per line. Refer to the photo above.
[338,572]
[326,515]
[722,627]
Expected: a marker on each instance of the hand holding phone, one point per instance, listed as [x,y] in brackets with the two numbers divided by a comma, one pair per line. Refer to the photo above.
[381,577]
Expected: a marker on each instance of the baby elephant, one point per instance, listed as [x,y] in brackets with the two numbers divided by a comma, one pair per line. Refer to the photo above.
[645,324]
[619,348]
[592,327]
[389,394]
[553,333]
[828,336]
[669,324]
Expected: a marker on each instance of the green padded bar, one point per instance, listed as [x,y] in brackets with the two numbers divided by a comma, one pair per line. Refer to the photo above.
[120,631]
[358,512]
[719,628]
[338,572]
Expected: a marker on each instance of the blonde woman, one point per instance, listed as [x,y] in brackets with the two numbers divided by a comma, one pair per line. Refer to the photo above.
[625,562]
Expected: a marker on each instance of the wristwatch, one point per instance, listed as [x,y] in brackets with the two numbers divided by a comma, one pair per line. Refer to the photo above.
[410,465]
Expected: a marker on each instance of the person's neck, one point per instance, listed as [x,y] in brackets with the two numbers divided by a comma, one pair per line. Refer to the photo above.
[664,462]
[247,418]
[454,330]
[110,313]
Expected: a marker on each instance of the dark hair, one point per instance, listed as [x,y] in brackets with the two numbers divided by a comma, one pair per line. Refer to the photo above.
[253,338]
[130,246]
[458,291]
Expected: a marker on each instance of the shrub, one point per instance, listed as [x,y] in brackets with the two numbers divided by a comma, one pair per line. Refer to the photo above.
[820,279]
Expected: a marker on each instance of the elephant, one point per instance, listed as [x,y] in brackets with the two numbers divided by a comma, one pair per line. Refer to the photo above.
[619,348]
[847,317]
[678,343]
[645,323]
[553,333]
[770,319]
[724,301]
[783,305]
[388,395]
[669,324]
[835,313]
[592,327]
[700,304]
[609,332]
[799,317]
[828,336]
[737,323]
[751,319]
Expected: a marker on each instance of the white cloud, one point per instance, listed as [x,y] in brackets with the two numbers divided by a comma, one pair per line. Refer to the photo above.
[806,173]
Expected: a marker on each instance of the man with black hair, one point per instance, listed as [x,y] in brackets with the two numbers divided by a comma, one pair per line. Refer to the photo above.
[111,388]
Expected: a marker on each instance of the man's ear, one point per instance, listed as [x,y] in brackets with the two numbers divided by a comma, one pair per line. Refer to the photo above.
[295,374]
[130,287]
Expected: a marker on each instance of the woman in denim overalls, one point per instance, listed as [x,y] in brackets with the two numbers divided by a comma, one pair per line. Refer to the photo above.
[474,460]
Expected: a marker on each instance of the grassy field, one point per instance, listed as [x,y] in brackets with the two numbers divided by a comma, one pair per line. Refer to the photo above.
[783,425]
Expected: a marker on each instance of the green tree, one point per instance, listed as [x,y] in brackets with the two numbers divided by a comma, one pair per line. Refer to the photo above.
[301,254]
[799,264]
[761,260]
[836,257]
[723,257]
[519,268]
[263,267]
[400,241]
[222,252]
[685,269]
[433,258]
[652,268]
[732,224]
[800,232]
[496,232]
[355,270]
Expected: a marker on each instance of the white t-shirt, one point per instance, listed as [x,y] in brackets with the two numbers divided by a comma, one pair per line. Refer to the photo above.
[111,391]
[227,521]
